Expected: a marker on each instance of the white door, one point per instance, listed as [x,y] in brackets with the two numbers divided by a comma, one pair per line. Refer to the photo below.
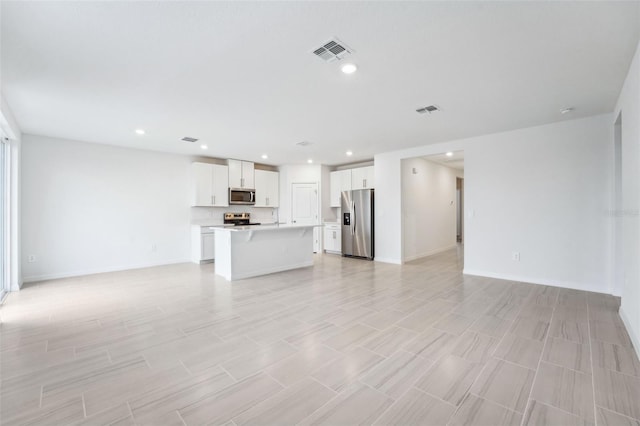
[304,208]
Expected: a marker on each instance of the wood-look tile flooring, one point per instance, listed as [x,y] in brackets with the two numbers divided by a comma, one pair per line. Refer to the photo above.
[344,342]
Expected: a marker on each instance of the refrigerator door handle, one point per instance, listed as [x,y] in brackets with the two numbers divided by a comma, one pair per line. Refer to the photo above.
[353,219]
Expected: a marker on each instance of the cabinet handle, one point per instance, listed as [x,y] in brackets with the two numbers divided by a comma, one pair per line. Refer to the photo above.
[334,235]
[267,200]
[212,200]
[364,183]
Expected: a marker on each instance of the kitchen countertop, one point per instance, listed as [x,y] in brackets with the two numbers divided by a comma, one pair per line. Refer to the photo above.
[264,227]
[221,225]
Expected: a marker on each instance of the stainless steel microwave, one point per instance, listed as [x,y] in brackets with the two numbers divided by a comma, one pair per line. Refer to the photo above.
[242,196]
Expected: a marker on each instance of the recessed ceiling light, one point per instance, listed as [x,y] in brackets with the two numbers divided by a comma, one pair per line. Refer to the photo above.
[265,156]
[204,146]
[349,68]
[140,131]
[566,110]
[449,154]
[349,153]
[309,161]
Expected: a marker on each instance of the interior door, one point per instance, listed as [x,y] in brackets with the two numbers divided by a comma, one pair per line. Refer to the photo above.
[304,208]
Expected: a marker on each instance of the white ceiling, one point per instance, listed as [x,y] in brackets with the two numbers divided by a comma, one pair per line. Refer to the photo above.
[241,76]
[455,161]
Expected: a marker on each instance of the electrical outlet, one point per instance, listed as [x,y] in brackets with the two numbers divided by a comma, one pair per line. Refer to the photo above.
[154,248]
[31,258]
[515,256]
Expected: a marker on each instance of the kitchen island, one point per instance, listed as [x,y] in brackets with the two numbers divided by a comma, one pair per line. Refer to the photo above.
[250,251]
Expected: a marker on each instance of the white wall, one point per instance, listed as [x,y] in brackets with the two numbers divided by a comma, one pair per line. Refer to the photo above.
[629,105]
[91,208]
[542,191]
[428,208]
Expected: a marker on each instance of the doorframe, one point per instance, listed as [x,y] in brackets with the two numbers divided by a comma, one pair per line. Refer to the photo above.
[5,214]
[617,283]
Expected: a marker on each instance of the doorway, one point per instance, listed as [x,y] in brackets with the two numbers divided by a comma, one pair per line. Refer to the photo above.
[304,208]
[432,205]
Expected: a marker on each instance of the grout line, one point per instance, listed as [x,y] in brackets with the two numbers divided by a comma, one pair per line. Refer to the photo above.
[495,403]
[84,406]
[632,419]
[284,387]
[564,411]
[544,347]
[131,412]
[189,372]
[180,417]
[431,395]
[230,375]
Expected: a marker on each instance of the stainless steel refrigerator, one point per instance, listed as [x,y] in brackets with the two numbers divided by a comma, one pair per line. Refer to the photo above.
[357,223]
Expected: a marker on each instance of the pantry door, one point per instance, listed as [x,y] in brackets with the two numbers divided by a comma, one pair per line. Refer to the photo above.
[304,208]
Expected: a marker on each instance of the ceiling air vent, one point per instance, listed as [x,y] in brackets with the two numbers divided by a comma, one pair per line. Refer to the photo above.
[188,139]
[428,109]
[333,50]
[304,143]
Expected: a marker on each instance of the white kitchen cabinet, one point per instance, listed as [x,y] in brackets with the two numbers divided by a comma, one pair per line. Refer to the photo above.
[208,245]
[362,178]
[332,239]
[209,185]
[267,188]
[241,174]
[340,181]
[203,244]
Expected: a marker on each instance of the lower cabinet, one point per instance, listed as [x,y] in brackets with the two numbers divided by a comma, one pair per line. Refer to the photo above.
[203,243]
[333,239]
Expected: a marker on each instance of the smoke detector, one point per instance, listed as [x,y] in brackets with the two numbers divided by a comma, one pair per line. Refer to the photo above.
[332,50]
[188,139]
[428,109]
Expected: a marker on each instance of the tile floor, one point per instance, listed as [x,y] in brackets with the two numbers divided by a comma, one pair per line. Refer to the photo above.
[345,342]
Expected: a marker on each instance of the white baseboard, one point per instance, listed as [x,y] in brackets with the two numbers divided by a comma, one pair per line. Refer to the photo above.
[542,281]
[635,339]
[387,260]
[69,274]
[429,253]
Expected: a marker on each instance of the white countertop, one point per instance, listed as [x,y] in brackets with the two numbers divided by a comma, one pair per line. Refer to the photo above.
[265,227]
[205,223]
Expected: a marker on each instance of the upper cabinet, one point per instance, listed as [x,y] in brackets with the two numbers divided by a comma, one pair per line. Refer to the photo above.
[241,174]
[362,178]
[346,180]
[209,185]
[340,181]
[267,188]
